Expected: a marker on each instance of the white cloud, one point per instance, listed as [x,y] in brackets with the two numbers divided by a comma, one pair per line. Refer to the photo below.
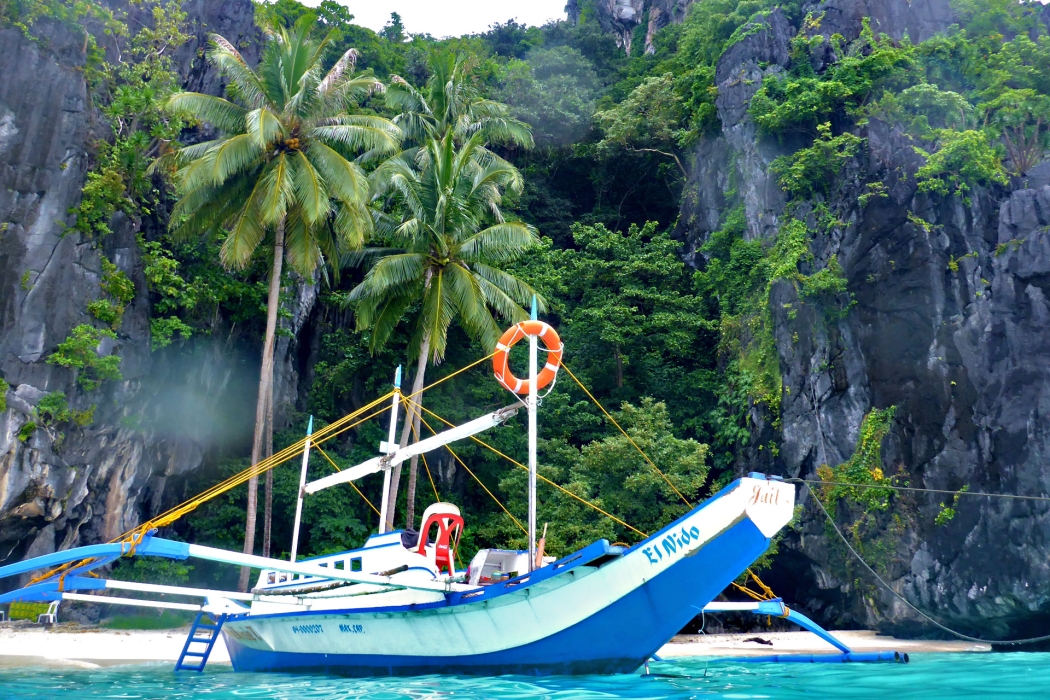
[442,18]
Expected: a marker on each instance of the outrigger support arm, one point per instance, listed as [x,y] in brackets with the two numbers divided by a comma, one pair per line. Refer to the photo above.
[169,549]
[776,608]
[392,460]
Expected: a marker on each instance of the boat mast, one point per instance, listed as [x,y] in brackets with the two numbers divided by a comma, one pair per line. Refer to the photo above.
[533,351]
[302,493]
[389,447]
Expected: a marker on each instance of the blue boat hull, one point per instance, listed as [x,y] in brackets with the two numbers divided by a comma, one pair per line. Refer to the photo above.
[616,639]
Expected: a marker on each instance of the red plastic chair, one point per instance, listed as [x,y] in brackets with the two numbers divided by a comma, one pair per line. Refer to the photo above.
[449,524]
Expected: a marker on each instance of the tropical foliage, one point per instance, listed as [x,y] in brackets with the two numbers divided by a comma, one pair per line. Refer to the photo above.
[434,218]
[282,165]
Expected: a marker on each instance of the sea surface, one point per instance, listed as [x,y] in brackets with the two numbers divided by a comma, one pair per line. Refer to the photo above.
[1013,675]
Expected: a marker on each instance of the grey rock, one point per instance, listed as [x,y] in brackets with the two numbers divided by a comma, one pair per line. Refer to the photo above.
[964,355]
[64,486]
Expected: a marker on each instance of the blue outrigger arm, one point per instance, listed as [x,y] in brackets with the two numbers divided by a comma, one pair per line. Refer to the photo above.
[96,555]
[777,608]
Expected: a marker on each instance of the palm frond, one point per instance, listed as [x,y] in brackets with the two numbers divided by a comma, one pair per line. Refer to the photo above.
[344,65]
[345,180]
[301,247]
[232,157]
[435,317]
[224,56]
[275,189]
[500,243]
[520,293]
[311,192]
[264,127]
[224,115]
[471,303]
[247,231]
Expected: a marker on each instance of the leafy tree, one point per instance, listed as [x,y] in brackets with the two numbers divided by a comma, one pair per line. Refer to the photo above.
[451,103]
[442,255]
[962,159]
[282,171]
[650,120]
[812,170]
[610,473]
[553,91]
[81,352]
[801,100]
[1021,116]
[394,29]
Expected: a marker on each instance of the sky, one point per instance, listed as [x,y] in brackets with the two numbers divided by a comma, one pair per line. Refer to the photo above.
[442,18]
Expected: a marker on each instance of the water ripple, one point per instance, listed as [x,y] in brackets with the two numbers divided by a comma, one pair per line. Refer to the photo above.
[1015,675]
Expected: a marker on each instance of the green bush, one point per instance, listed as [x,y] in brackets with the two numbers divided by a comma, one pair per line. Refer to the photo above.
[962,159]
[4,386]
[809,171]
[79,351]
[120,288]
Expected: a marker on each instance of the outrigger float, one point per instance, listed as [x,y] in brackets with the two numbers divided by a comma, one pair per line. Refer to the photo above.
[399,605]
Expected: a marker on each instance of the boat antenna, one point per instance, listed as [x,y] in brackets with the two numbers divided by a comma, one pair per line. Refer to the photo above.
[532,400]
[389,447]
[302,489]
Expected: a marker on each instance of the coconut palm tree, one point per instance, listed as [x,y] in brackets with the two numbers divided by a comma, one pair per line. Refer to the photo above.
[280,174]
[446,252]
[451,103]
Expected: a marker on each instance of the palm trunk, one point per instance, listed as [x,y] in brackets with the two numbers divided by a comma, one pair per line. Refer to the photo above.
[268,490]
[264,399]
[411,418]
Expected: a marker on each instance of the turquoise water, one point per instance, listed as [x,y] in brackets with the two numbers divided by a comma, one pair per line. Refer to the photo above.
[927,676]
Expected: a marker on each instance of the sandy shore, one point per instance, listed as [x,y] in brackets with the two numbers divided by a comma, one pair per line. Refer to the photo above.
[69,645]
[89,647]
[803,643]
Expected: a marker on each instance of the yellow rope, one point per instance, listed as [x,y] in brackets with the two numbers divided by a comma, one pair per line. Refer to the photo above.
[613,421]
[464,465]
[415,434]
[134,535]
[336,467]
[766,594]
[539,476]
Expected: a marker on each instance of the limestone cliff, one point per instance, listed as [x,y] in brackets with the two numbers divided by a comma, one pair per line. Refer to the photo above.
[622,17]
[66,486]
[949,324]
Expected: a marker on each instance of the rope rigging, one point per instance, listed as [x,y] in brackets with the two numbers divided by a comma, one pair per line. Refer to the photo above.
[898,596]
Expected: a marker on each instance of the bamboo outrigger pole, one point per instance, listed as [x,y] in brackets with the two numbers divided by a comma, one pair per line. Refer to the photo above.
[302,493]
[390,448]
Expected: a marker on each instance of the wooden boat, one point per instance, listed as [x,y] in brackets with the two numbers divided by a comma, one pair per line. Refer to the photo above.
[398,605]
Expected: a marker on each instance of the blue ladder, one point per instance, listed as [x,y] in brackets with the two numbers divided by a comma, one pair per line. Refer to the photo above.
[208,639]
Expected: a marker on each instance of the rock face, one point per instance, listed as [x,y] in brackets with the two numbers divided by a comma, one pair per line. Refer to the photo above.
[622,17]
[951,324]
[61,488]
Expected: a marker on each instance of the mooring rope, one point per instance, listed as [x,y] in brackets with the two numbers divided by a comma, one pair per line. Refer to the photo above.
[898,596]
[922,490]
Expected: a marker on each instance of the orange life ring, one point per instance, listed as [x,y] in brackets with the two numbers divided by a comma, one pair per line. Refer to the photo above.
[546,375]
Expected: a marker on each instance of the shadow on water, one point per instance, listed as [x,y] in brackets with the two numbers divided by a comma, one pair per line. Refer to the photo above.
[1014,675]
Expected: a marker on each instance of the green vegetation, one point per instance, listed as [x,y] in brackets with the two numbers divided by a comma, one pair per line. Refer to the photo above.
[811,171]
[864,467]
[448,240]
[4,388]
[515,160]
[283,166]
[120,290]
[161,620]
[51,412]
[80,351]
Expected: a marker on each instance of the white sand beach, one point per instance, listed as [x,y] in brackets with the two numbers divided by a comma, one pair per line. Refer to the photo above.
[71,645]
[76,645]
[804,643]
